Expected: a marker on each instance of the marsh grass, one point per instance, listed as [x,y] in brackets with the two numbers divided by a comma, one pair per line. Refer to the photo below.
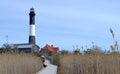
[19,64]
[89,64]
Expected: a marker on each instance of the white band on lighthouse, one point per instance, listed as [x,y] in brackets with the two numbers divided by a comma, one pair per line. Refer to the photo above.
[32,30]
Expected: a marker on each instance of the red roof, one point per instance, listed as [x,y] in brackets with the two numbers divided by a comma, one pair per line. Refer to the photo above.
[50,48]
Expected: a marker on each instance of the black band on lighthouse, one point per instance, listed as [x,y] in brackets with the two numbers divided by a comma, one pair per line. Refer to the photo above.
[32,16]
[32,40]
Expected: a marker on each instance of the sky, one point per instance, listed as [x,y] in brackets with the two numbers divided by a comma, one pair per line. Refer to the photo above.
[61,23]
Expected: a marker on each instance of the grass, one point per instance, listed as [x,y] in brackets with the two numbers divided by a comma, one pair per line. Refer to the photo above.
[89,64]
[20,64]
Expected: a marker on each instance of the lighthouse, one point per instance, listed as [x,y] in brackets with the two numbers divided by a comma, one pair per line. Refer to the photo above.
[31,45]
[32,26]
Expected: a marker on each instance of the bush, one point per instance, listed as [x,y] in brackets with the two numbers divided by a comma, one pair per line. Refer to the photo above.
[55,59]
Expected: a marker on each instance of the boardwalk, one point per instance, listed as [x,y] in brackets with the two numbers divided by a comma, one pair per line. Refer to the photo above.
[50,69]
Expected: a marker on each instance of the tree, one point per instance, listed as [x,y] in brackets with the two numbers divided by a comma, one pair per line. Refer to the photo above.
[6,48]
[93,50]
[63,52]
[77,51]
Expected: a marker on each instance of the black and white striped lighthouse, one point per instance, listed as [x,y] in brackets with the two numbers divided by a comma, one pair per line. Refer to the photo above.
[32,26]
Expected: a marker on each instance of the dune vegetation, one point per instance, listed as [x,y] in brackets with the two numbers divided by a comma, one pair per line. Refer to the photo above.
[19,63]
[89,64]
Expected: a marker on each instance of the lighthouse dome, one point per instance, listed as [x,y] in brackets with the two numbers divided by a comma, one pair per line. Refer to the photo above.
[32,9]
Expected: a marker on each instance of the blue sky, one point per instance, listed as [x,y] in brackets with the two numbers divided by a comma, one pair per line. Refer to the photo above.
[61,23]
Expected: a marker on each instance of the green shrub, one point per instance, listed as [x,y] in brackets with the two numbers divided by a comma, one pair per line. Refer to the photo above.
[55,59]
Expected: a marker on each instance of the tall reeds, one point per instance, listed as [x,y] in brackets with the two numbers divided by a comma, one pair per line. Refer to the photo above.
[19,64]
[89,64]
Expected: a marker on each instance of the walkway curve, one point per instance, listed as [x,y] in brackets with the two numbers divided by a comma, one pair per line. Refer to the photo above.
[50,69]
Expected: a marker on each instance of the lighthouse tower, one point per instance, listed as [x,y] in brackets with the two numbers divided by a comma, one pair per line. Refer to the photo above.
[31,45]
[32,26]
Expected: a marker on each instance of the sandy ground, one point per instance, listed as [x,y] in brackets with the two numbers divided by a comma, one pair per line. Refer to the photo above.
[50,69]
